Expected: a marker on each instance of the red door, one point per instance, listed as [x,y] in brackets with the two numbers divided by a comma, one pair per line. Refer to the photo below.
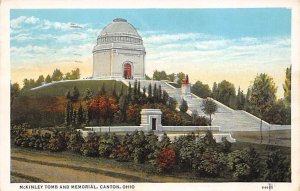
[127,71]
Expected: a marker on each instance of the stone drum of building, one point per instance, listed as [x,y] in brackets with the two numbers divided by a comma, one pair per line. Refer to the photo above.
[119,52]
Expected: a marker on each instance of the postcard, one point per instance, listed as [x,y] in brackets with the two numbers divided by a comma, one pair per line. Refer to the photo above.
[149,95]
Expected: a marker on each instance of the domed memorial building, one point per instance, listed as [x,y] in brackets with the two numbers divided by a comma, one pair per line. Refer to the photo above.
[119,52]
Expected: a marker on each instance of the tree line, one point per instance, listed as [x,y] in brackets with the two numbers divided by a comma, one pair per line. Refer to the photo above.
[57,75]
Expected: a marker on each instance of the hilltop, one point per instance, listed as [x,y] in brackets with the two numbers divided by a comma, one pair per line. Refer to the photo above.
[61,87]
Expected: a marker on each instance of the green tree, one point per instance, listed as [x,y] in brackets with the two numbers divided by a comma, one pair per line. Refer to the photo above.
[75,94]
[277,113]
[184,106]
[262,97]
[155,93]
[68,113]
[67,76]
[171,77]
[88,94]
[159,75]
[287,87]
[75,74]
[201,90]
[165,97]
[57,75]
[123,104]
[240,100]
[14,92]
[172,103]
[48,79]
[150,91]
[80,115]
[129,93]
[40,80]
[68,95]
[180,77]
[135,89]
[26,84]
[209,107]
[226,93]
[215,91]
[139,89]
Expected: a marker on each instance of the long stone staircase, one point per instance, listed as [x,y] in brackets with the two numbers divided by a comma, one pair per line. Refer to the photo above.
[228,119]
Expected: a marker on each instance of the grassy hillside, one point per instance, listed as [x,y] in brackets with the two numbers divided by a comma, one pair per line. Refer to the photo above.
[46,106]
[60,88]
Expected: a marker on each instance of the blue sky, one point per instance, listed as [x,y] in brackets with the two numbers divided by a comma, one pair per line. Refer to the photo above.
[209,44]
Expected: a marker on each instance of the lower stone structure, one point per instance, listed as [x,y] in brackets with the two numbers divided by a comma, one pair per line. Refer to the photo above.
[151,121]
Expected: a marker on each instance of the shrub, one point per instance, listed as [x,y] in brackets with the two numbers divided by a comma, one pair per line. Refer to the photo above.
[209,140]
[208,164]
[201,121]
[151,145]
[91,145]
[225,145]
[139,154]
[107,144]
[120,153]
[75,142]
[184,106]
[57,143]
[242,171]
[164,141]
[165,160]
[245,165]
[277,167]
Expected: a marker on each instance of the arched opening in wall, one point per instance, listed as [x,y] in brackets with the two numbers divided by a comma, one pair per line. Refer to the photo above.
[127,71]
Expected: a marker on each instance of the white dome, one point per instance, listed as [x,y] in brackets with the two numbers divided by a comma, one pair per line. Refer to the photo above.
[119,33]
[119,26]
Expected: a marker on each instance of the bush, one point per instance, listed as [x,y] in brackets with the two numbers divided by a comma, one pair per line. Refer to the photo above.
[35,141]
[225,145]
[164,141]
[151,145]
[75,142]
[57,143]
[242,171]
[184,106]
[107,144]
[139,154]
[277,168]
[245,165]
[209,164]
[120,153]
[209,140]
[165,160]
[91,145]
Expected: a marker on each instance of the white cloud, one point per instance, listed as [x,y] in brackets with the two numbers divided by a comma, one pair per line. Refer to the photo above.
[166,38]
[55,25]
[17,23]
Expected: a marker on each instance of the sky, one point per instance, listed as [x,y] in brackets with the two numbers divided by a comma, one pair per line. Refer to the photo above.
[210,45]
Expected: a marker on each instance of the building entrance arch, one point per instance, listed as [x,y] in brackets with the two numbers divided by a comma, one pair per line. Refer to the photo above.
[127,71]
